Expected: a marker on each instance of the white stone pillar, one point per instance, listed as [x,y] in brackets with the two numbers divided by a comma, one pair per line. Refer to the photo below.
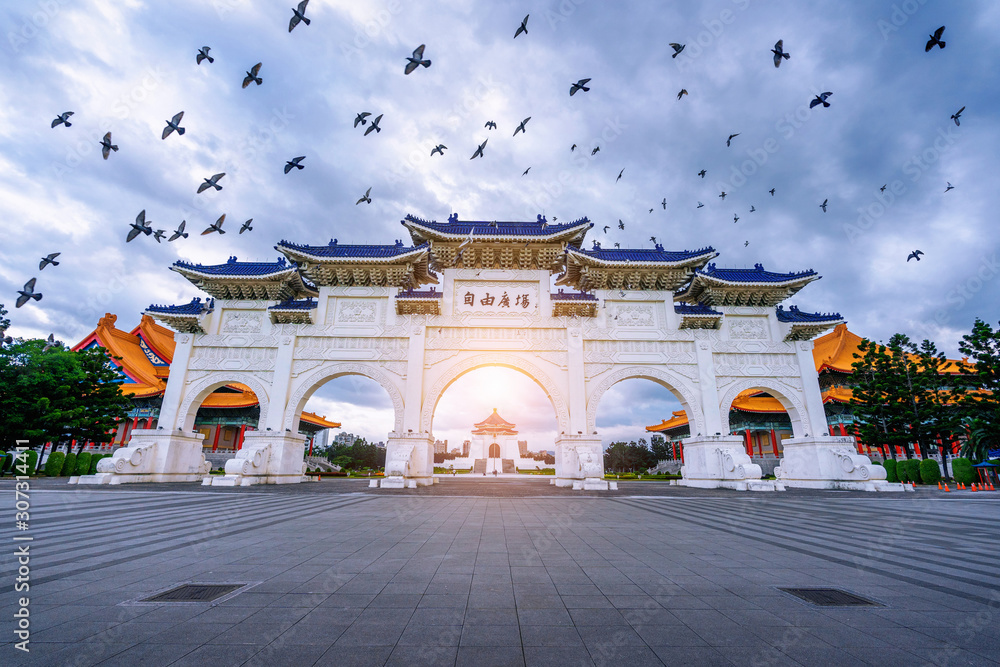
[282,380]
[709,390]
[267,457]
[815,422]
[830,463]
[582,459]
[721,462]
[176,384]
[153,455]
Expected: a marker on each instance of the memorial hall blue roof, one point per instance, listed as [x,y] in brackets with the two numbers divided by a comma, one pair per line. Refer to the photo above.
[755,275]
[642,255]
[301,304]
[457,227]
[335,250]
[695,309]
[572,296]
[794,315]
[196,307]
[432,293]
[234,267]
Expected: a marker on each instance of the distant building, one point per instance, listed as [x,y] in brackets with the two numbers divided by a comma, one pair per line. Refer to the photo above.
[522,448]
[440,447]
[345,439]
[465,447]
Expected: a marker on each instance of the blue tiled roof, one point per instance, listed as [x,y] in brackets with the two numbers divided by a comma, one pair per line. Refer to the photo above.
[336,250]
[644,255]
[432,293]
[233,267]
[695,309]
[196,307]
[302,304]
[572,296]
[458,227]
[755,275]
[793,314]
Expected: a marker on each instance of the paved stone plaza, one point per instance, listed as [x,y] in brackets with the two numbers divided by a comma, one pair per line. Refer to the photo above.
[505,572]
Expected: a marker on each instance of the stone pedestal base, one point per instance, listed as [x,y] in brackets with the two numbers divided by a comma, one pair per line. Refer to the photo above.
[408,457]
[830,463]
[153,456]
[579,462]
[266,458]
[721,462]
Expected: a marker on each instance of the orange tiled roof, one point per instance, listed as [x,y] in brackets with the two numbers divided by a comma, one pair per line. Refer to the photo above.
[835,351]
[495,424]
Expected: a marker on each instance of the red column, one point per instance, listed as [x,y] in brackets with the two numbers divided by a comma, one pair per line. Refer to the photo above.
[774,443]
[830,426]
[149,422]
[311,445]
[135,425]
[746,436]
[674,445]
[760,444]
[239,439]
[682,451]
[843,431]
[215,442]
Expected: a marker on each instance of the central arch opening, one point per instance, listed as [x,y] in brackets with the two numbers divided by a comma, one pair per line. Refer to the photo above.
[629,416]
[493,421]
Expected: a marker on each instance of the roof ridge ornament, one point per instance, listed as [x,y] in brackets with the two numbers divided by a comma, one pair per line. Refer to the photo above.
[453,218]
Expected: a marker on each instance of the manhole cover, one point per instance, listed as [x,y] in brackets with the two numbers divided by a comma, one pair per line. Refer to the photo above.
[830,597]
[195,593]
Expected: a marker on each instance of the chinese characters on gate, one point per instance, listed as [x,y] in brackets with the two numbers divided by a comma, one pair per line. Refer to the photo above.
[522,300]
[497,298]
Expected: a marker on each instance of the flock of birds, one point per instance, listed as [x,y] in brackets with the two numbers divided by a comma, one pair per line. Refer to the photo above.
[142,226]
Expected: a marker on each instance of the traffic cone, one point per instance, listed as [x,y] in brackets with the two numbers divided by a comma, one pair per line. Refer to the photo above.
[991,487]
[973,489]
[939,486]
[946,489]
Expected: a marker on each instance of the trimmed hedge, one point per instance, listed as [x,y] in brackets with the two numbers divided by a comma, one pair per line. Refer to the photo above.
[93,463]
[8,462]
[30,465]
[913,471]
[83,463]
[963,470]
[930,473]
[890,470]
[54,464]
[69,467]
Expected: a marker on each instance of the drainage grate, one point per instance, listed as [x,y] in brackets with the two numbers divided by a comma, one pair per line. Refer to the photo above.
[195,593]
[831,597]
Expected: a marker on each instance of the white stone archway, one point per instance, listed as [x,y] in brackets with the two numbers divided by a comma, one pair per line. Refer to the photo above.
[789,397]
[304,389]
[515,362]
[674,382]
[199,391]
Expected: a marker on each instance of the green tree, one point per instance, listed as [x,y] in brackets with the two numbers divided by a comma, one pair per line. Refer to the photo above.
[57,395]
[980,402]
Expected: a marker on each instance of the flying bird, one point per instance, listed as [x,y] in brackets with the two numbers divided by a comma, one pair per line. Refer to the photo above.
[823,205]
[479,151]
[653,239]
[955,117]
[572,148]
[618,245]
[882,189]
[820,99]
[621,225]
[50,343]
[416,60]
[700,205]
[203,55]
[606,227]
[366,198]
[651,210]
[731,137]
[295,162]
[950,187]
[360,118]
[525,173]
[298,14]
[677,49]
[179,233]
[753,208]
[107,146]
[619,175]
[664,202]
[246,225]
[439,149]
[173,124]
[523,27]
[771,191]
[28,293]
[252,76]
[62,119]
[216,226]
[596,151]
[935,39]
[736,218]
[211,183]
[579,85]
[49,259]
[159,234]
[520,128]
[140,226]
[490,125]
[374,125]
[915,255]
[746,243]
[684,91]
[702,173]
[779,53]
[723,196]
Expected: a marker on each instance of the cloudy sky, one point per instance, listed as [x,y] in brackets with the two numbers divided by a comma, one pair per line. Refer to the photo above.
[127,65]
